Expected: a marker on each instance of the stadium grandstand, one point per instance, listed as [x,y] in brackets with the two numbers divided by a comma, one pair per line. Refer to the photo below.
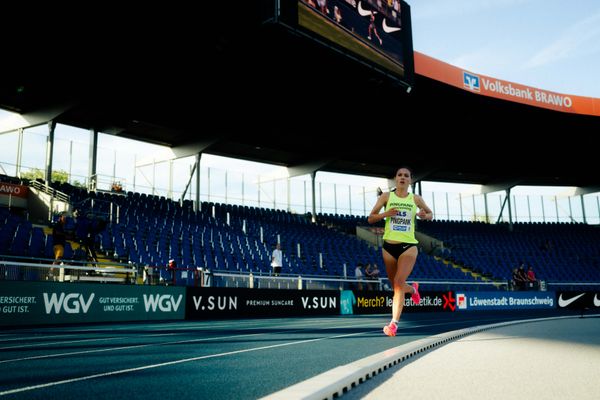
[156,233]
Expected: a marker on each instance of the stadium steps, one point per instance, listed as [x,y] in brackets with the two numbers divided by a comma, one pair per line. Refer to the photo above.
[464,269]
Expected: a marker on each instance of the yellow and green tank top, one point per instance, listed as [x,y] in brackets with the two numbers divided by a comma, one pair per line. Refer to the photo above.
[401,227]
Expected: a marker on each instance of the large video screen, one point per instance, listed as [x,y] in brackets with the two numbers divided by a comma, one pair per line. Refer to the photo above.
[376,31]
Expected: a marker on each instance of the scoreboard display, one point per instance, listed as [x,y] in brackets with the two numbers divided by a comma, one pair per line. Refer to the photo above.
[377,32]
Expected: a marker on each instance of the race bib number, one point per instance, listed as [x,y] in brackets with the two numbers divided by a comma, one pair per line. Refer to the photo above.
[401,222]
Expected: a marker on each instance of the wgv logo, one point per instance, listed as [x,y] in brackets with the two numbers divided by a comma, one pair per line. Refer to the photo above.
[471,82]
[165,302]
[72,303]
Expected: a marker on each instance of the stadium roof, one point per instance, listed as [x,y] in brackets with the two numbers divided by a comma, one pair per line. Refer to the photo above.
[255,91]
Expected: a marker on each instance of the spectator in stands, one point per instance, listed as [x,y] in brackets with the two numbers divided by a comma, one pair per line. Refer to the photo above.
[59,239]
[86,229]
[532,282]
[516,281]
[277,260]
[95,228]
[359,275]
[399,243]
[523,276]
[368,276]
[150,277]
[171,268]
[116,187]
[519,278]
[374,276]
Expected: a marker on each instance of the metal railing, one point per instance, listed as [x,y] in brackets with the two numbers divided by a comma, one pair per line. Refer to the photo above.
[15,268]
[50,191]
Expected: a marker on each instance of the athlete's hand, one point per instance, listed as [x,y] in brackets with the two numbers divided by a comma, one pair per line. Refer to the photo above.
[422,214]
[391,212]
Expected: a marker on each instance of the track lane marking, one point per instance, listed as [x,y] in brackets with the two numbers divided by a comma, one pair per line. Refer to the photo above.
[174,362]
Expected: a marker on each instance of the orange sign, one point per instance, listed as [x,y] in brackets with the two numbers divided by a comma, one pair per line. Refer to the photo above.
[505,90]
[13,195]
[14,190]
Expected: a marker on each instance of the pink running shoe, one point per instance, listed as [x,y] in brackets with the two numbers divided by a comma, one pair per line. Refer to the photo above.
[416,297]
[390,329]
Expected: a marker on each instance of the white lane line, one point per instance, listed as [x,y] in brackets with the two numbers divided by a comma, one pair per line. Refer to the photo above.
[156,344]
[257,324]
[177,325]
[198,325]
[166,343]
[312,323]
[168,363]
[121,348]
[145,335]
[39,336]
[83,340]
[61,342]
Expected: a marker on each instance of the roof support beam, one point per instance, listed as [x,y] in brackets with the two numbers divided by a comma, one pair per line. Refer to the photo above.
[93,156]
[497,187]
[28,120]
[586,190]
[307,168]
[49,151]
[187,150]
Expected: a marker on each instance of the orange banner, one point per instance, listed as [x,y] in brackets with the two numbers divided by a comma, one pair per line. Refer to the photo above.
[505,90]
[13,195]
[15,190]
